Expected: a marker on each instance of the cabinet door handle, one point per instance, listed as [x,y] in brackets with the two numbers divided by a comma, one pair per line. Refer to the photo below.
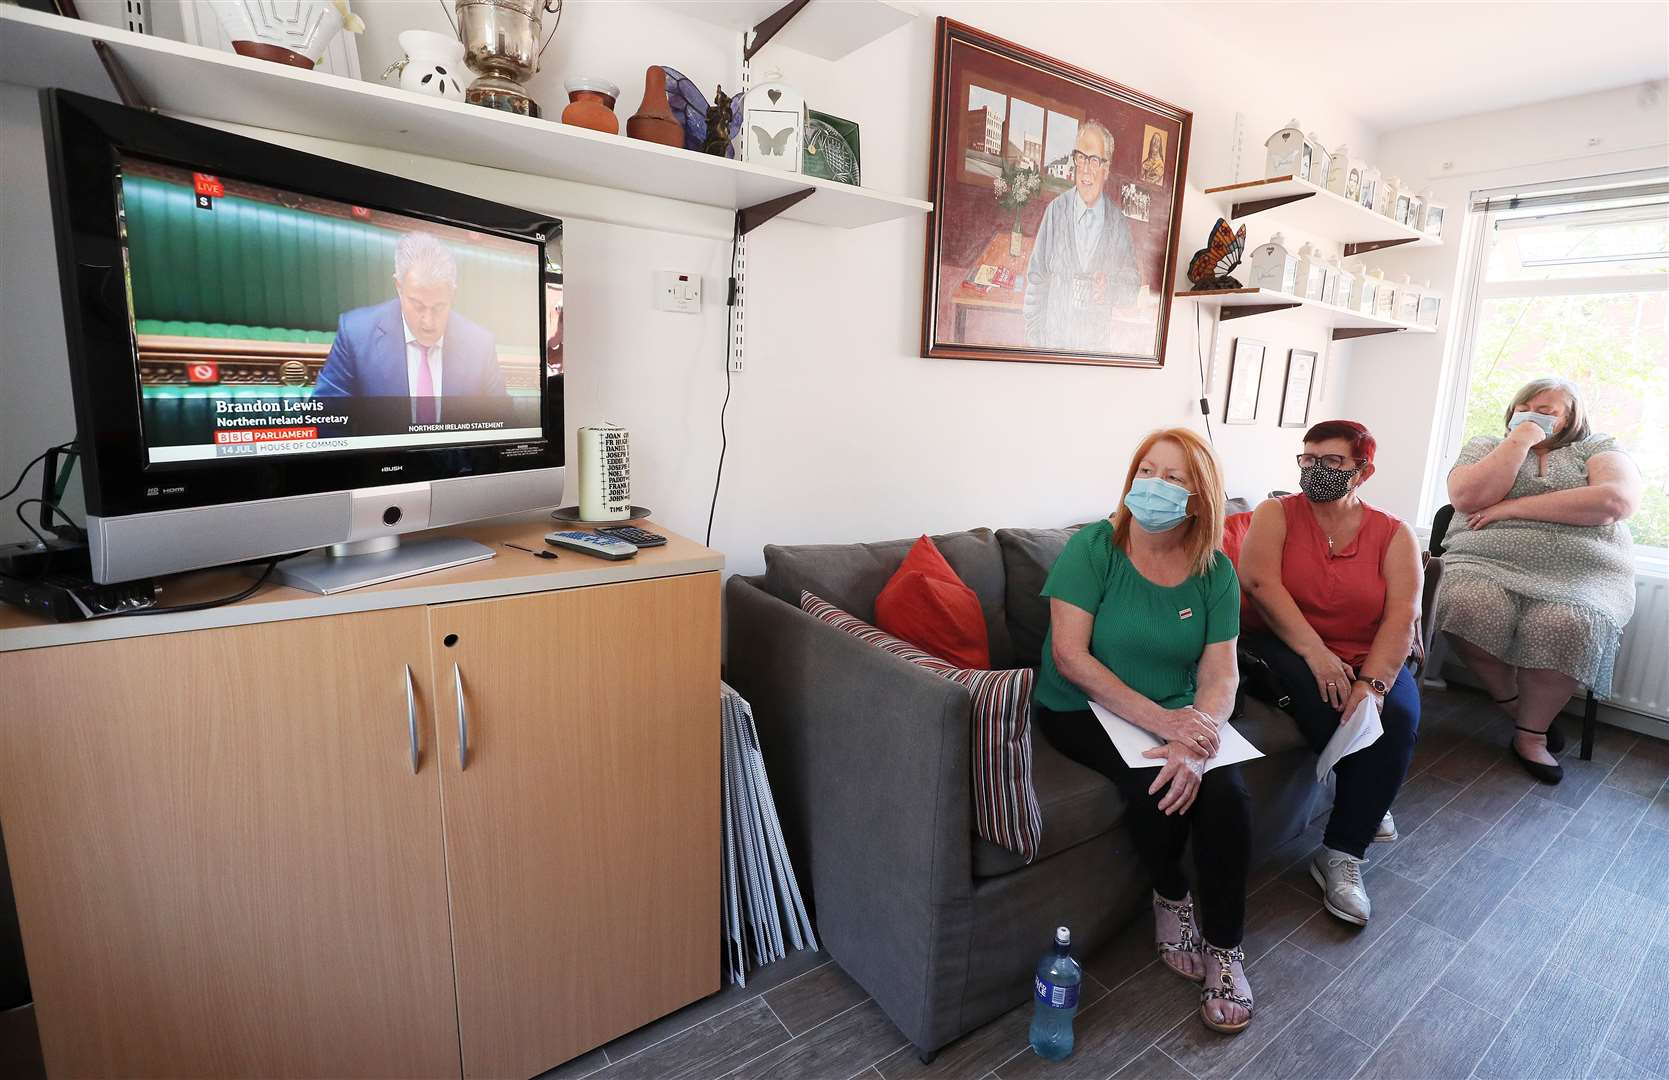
[463,719]
[411,719]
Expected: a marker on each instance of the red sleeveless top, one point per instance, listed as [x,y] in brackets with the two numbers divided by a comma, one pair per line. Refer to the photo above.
[1340,593]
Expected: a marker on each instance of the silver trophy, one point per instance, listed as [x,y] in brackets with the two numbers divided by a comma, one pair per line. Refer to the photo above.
[501,45]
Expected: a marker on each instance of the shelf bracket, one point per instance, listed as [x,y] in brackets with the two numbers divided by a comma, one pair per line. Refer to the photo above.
[1224,314]
[1375,245]
[1257,206]
[767,29]
[1345,333]
[126,89]
[751,217]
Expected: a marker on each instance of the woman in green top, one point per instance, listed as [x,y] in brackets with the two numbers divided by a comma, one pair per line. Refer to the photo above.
[1144,610]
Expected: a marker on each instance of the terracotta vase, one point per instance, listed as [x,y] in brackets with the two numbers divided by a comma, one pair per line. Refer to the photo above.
[654,120]
[591,105]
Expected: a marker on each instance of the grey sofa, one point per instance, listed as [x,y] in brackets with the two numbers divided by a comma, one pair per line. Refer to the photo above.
[869,759]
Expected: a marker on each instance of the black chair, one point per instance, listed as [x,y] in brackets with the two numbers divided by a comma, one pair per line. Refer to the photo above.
[1590,708]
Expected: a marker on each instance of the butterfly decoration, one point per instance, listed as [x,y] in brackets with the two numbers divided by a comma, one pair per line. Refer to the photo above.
[769,145]
[691,108]
[1211,265]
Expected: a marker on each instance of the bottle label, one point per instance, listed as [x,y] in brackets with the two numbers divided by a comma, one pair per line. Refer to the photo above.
[1056,997]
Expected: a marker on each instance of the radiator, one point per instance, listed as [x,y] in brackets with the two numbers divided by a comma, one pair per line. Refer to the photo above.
[1641,681]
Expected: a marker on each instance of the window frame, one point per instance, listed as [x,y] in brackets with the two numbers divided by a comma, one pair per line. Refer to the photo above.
[1485,207]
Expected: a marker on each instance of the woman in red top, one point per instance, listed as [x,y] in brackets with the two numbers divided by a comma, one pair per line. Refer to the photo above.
[1335,590]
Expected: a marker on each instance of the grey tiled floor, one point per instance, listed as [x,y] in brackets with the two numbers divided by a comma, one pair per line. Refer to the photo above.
[1519,931]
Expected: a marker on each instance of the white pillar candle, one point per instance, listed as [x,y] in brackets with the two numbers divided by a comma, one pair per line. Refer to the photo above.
[605,473]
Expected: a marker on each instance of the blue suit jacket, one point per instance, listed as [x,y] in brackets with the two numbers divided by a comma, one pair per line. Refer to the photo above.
[368,357]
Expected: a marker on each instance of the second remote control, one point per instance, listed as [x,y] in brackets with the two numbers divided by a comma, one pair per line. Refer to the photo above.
[633,535]
[603,547]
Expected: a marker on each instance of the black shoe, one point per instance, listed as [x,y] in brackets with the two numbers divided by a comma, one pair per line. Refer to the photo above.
[1555,737]
[1547,774]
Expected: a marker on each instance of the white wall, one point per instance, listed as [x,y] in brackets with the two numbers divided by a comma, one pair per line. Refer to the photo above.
[1396,383]
[838,429]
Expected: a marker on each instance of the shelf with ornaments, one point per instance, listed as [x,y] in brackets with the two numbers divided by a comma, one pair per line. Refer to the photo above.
[197,83]
[1345,322]
[1333,194]
[1304,206]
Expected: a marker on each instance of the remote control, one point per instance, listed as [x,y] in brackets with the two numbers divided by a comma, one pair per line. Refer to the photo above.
[633,535]
[604,547]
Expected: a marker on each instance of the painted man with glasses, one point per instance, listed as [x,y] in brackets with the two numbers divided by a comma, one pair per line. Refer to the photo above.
[1083,266]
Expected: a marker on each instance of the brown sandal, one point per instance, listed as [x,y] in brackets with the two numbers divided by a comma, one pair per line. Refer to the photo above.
[1187,938]
[1230,985]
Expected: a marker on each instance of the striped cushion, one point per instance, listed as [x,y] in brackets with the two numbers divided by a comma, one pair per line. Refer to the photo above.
[1005,806]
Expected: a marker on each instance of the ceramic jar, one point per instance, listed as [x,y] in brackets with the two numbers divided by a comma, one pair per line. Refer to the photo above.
[433,64]
[774,120]
[1344,173]
[654,120]
[591,104]
[1320,160]
[1385,199]
[1312,273]
[1367,291]
[296,34]
[1385,299]
[1285,152]
[1431,217]
[1408,301]
[1429,304]
[1368,194]
[1272,266]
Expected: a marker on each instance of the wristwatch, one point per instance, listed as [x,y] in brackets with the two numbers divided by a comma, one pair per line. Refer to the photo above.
[1376,685]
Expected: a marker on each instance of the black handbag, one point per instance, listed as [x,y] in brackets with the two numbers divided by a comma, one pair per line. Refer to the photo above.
[1258,679]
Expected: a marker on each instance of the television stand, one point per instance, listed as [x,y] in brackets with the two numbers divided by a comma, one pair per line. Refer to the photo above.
[371,562]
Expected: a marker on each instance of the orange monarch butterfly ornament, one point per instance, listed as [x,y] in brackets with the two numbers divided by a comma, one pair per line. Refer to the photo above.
[1211,265]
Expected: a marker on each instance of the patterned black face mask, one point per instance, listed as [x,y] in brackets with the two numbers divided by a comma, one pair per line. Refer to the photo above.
[1322,484]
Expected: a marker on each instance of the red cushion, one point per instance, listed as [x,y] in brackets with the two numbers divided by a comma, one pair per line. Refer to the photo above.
[1235,527]
[926,604]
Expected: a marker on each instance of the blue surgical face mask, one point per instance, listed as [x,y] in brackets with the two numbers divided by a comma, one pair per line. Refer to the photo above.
[1157,505]
[1541,420]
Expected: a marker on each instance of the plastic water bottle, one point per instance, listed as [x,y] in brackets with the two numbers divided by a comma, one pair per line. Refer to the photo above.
[1055,994]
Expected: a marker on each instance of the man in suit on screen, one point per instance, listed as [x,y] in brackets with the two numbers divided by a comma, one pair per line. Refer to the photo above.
[414,345]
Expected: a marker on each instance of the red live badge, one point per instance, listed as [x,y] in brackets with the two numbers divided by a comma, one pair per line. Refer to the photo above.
[208,185]
[203,373]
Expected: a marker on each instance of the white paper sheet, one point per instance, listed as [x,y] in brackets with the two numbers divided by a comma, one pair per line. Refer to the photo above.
[1363,729]
[1131,741]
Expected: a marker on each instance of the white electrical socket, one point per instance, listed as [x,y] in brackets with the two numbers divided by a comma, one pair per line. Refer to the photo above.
[675,291]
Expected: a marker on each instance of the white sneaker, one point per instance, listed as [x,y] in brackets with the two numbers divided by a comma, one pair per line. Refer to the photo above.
[1387,830]
[1340,878]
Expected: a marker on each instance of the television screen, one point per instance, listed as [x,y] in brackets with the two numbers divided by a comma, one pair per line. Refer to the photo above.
[267,322]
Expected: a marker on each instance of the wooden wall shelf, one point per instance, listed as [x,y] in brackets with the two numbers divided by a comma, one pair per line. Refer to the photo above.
[1305,206]
[188,81]
[1345,323]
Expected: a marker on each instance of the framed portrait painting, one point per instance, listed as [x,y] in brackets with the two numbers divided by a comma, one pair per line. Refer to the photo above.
[1057,197]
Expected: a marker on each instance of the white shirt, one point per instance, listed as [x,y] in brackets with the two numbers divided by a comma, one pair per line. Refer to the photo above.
[1086,226]
[414,357]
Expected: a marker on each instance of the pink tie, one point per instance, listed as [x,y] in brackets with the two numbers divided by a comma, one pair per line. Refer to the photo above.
[425,387]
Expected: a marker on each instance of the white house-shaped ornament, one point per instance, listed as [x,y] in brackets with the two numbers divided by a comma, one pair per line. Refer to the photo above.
[1272,266]
[1287,152]
[773,124]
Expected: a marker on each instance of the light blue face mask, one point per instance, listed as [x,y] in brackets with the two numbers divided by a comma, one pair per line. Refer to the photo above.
[1157,505]
[1541,420]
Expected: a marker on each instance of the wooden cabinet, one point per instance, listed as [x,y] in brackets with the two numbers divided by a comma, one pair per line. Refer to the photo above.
[227,864]
[224,863]
[582,827]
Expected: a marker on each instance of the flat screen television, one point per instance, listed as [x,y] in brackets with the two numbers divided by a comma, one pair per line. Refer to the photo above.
[273,351]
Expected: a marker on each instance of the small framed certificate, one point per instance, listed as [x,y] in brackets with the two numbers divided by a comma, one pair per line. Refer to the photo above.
[1295,399]
[1245,378]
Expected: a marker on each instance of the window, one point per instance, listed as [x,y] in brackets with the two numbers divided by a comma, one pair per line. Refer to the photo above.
[1571,283]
